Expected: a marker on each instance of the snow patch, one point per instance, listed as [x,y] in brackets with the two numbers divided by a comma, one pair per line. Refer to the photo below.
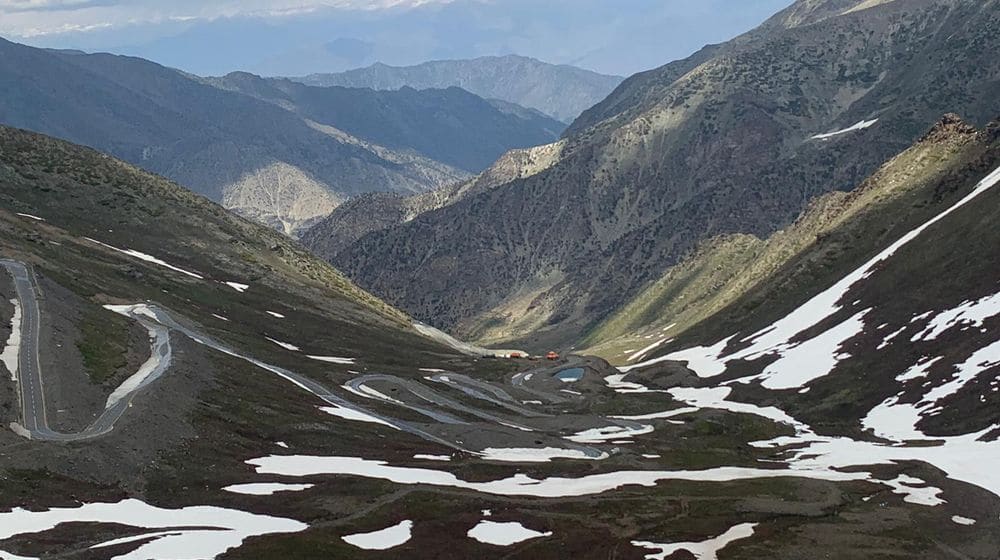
[915,491]
[197,532]
[601,435]
[266,488]
[853,128]
[12,349]
[159,357]
[333,360]
[647,350]
[918,371]
[534,455]
[970,314]
[384,539]
[355,415]
[284,345]
[426,457]
[241,288]
[777,338]
[504,534]
[147,258]
[522,484]
[704,550]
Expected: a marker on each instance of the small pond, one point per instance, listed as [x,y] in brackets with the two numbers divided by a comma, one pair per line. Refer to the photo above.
[570,375]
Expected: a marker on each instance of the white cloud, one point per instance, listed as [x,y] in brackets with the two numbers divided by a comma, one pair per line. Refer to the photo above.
[34,18]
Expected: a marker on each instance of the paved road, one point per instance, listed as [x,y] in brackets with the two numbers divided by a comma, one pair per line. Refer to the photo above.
[164,319]
[160,324]
[31,386]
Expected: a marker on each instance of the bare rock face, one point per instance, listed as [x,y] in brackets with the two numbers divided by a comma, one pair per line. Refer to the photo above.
[280,196]
[735,140]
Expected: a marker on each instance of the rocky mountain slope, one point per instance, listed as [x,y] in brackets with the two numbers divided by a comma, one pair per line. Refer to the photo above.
[736,139]
[560,91]
[451,125]
[281,164]
[727,275]
[377,212]
[284,413]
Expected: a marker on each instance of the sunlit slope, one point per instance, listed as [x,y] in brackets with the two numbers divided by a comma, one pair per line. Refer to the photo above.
[832,233]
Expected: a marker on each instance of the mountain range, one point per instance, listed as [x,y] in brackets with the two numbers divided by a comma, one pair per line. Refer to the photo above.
[558,90]
[736,139]
[768,276]
[275,151]
[251,402]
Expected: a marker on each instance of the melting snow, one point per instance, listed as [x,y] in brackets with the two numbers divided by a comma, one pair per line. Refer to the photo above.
[646,350]
[812,359]
[535,455]
[601,435]
[148,258]
[237,286]
[918,371]
[382,540]
[777,338]
[704,550]
[284,345]
[503,534]
[12,348]
[158,360]
[333,360]
[266,488]
[355,415]
[426,457]
[915,491]
[888,339]
[521,484]
[970,314]
[859,126]
[219,529]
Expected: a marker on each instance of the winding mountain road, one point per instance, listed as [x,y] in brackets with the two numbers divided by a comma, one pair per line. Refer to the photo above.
[160,324]
[34,419]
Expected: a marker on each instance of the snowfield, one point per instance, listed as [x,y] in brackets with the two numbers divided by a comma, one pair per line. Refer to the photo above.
[503,534]
[197,532]
[384,539]
[12,349]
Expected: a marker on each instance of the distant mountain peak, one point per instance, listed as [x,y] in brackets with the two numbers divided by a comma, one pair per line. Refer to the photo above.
[560,91]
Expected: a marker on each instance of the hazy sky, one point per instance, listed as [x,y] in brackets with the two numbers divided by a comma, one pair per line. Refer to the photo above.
[302,36]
